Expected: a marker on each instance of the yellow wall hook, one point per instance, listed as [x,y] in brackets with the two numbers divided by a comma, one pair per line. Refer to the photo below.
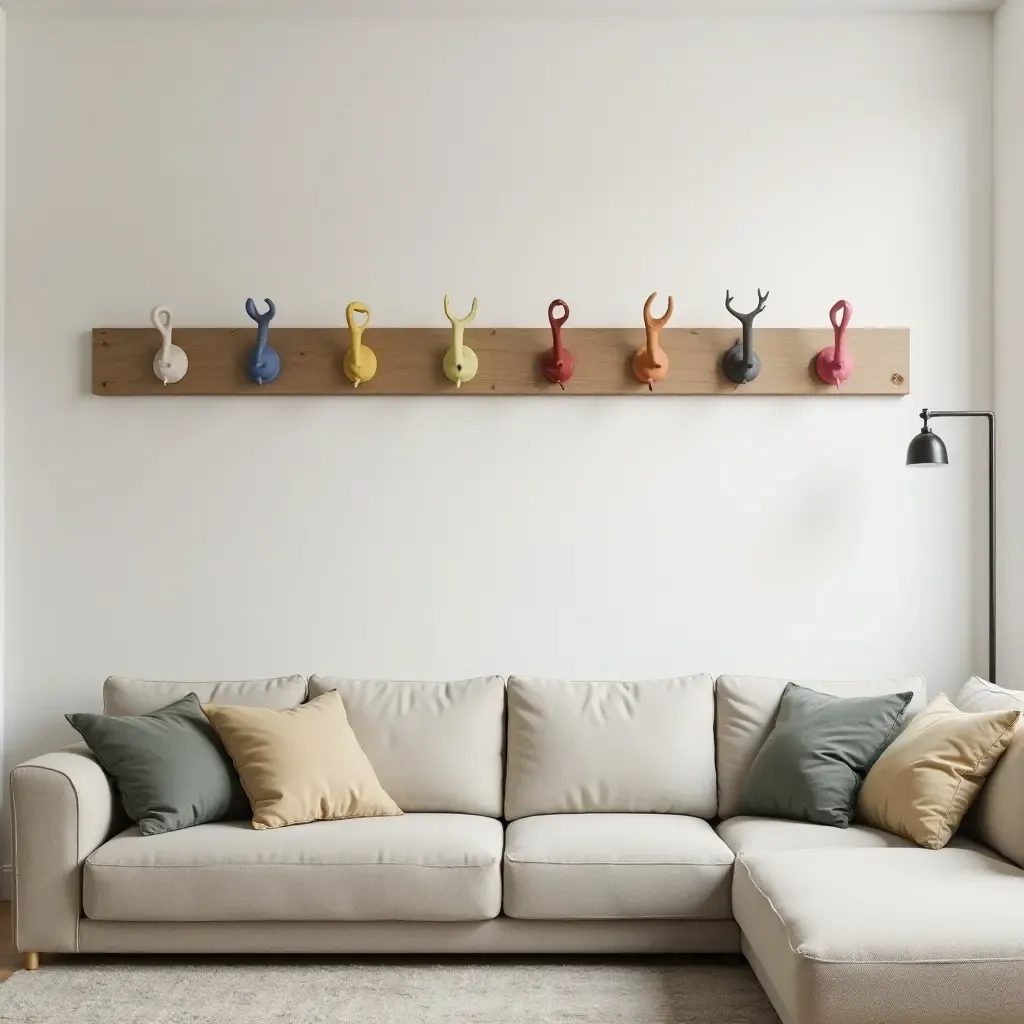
[460,361]
[360,361]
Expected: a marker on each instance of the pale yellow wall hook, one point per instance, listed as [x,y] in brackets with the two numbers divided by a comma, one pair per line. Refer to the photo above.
[460,361]
[360,362]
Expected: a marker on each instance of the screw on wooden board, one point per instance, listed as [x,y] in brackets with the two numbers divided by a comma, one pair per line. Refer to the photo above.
[896,379]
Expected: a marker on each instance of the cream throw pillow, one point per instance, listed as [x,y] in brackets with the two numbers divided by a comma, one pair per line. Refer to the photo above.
[300,764]
[997,817]
[923,784]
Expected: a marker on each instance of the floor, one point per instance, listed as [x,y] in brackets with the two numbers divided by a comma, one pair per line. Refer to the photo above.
[10,958]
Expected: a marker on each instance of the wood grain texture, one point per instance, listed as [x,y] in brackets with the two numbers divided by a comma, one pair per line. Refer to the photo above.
[409,361]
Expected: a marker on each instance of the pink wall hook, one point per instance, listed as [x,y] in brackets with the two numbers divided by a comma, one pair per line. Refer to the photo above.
[557,364]
[835,364]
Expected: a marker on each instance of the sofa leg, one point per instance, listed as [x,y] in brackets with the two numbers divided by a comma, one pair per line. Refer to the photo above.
[31,961]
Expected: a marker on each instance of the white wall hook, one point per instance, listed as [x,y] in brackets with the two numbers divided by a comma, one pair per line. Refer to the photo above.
[170,363]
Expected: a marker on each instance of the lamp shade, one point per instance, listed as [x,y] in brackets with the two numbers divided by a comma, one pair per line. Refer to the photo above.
[927,449]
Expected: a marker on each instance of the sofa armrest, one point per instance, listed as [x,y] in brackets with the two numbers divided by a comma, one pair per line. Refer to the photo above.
[62,808]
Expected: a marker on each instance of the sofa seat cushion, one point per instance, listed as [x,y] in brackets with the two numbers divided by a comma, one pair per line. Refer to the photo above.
[748,835]
[414,867]
[589,866]
[860,936]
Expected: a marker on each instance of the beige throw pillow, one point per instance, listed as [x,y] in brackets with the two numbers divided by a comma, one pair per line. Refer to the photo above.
[923,784]
[997,817]
[300,764]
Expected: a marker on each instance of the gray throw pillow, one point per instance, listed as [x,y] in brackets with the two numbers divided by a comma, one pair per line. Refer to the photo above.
[817,755]
[169,765]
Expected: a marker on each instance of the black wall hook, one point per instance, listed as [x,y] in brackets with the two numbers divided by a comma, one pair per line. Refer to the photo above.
[741,364]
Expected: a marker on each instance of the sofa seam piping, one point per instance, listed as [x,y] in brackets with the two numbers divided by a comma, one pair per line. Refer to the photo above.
[869,963]
[621,863]
[347,864]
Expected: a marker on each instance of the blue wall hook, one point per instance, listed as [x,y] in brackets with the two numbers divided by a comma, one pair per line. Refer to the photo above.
[263,363]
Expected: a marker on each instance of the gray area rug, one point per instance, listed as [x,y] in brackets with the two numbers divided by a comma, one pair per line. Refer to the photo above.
[334,992]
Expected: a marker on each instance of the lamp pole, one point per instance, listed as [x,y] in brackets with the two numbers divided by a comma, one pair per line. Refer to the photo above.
[928,449]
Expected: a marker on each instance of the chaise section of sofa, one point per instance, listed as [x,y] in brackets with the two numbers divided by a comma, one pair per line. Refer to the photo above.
[857,936]
[856,925]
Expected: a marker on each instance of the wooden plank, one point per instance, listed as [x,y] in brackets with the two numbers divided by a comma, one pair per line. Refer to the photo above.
[409,361]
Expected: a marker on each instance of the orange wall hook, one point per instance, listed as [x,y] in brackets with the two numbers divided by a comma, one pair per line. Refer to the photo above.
[650,363]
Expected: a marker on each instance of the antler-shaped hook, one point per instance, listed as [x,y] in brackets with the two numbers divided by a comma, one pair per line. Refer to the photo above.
[264,362]
[650,363]
[741,363]
[657,322]
[250,308]
[460,361]
[460,321]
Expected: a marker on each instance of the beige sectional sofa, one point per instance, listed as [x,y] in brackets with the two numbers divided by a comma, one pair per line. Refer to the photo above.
[541,817]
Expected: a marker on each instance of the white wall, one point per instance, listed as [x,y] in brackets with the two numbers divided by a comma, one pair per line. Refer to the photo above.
[3,403]
[1009,272]
[196,162]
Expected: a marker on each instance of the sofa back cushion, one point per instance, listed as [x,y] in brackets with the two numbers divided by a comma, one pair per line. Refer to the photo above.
[745,710]
[434,746]
[642,747]
[997,816]
[122,696]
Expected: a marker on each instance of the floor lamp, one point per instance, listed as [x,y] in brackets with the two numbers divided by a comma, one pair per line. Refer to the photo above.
[927,449]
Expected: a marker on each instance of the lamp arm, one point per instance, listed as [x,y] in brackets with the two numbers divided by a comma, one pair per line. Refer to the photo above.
[929,414]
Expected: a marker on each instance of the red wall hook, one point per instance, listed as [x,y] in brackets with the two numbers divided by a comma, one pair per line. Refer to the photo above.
[557,363]
[835,364]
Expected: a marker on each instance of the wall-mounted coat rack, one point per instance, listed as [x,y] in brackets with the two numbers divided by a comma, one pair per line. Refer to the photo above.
[411,361]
